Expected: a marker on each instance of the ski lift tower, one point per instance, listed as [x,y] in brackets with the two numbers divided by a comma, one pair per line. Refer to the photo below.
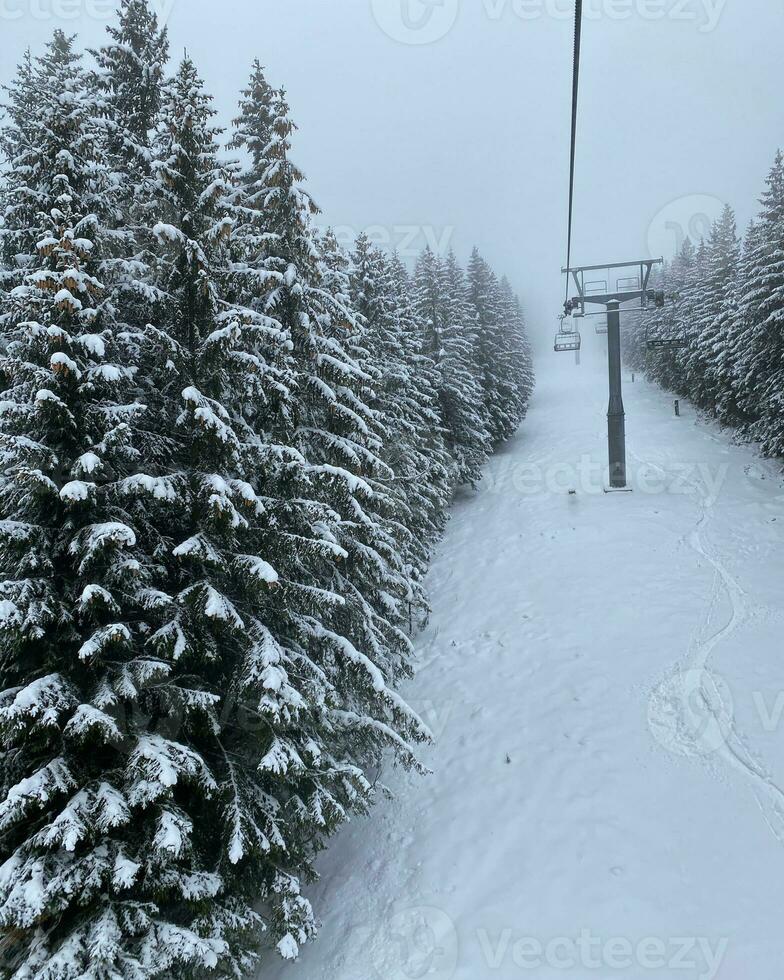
[627,289]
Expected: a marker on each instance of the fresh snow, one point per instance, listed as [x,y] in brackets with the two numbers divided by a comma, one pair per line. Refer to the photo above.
[602,673]
[88,462]
[93,343]
[10,614]
[76,491]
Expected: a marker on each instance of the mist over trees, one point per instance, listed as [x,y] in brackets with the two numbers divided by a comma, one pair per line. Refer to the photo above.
[228,450]
[725,302]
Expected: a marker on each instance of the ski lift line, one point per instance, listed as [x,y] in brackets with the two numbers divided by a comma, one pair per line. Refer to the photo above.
[578,25]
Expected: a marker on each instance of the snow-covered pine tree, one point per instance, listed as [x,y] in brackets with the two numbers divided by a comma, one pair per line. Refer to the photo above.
[321,684]
[665,366]
[129,78]
[759,345]
[99,870]
[517,366]
[738,402]
[449,340]
[704,360]
[492,350]
[428,470]
[209,363]
[329,423]
[19,205]
[413,448]
[430,303]
[688,364]
[460,394]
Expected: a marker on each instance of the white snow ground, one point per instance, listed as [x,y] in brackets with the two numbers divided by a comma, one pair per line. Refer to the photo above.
[604,675]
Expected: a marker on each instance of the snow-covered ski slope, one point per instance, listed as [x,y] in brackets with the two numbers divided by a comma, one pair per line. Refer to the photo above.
[604,675]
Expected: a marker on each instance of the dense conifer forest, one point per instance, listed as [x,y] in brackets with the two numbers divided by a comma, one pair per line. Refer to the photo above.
[229,448]
[724,307]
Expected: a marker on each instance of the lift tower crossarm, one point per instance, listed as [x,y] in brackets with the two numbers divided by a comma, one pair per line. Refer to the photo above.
[602,299]
[613,265]
[645,267]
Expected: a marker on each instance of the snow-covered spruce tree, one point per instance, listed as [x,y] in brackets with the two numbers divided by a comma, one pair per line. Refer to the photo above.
[666,366]
[129,78]
[321,684]
[739,398]
[517,366]
[17,223]
[493,350]
[449,340]
[428,469]
[98,870]
[414,448]
[759,347]
[128,81]
[462,404]
[705,359]
[688,366]
[370,334]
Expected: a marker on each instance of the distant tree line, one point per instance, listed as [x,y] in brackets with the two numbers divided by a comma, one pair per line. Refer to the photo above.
[228,450]
[725,303]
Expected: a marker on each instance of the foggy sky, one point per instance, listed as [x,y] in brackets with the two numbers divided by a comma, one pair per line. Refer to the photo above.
[462,136]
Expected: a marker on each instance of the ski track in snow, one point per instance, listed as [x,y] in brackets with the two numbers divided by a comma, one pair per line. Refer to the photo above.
[697,681]
[588,674]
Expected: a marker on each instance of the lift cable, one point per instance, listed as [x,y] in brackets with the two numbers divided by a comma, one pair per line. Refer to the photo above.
[578,24]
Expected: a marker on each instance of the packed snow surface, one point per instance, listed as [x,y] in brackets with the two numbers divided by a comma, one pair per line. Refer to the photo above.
[604,677]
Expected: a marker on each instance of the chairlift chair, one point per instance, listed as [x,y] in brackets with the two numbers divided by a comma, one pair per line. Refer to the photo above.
[670,341]
[666,343]
[567,338]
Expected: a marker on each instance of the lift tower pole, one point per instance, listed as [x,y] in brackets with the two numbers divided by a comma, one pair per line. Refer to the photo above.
[616,417]
[627,290]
